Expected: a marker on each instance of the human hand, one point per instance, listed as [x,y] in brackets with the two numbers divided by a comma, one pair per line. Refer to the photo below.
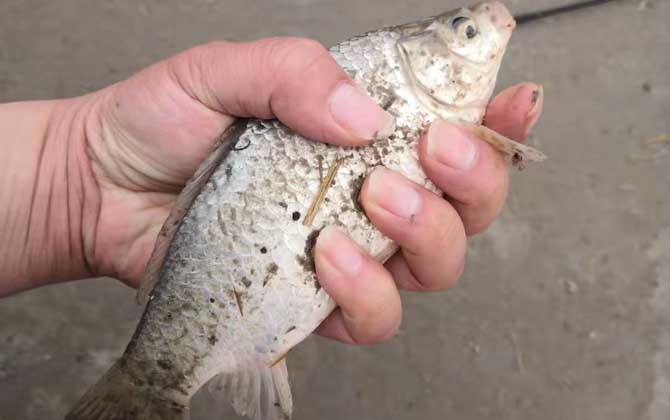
[164,120]
[431,231]
[144,137]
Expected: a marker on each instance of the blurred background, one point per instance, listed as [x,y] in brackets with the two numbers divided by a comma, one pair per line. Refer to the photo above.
[564,307]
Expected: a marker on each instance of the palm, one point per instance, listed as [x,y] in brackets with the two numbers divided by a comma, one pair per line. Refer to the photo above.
[160,134]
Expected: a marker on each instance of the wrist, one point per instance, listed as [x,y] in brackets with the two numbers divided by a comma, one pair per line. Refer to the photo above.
[48,229]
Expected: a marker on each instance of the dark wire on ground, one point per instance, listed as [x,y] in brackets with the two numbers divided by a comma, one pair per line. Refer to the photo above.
[541,14]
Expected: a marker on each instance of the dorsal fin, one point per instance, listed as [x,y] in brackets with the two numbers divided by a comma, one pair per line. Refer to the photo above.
[226,142]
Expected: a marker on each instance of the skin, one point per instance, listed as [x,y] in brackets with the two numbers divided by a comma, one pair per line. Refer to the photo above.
[87,182]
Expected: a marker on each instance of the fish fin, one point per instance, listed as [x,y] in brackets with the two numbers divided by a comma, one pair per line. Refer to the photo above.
[520,153]
[260,393]
[117,397]
[151,274]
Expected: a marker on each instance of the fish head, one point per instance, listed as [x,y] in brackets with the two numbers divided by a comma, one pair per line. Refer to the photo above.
[478,34]
[452,60]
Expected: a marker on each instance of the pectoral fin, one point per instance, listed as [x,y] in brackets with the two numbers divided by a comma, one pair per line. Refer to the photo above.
[258,392]
[520,153]
[186,197]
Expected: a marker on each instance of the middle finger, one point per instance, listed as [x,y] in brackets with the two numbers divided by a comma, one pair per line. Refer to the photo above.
[427,228]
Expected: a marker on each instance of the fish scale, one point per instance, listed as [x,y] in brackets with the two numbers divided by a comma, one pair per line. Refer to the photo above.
[231,286]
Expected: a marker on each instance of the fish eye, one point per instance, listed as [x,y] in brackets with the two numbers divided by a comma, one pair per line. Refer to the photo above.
[464,26]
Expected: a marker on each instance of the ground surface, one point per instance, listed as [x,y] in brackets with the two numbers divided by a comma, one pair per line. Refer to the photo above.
[563,311]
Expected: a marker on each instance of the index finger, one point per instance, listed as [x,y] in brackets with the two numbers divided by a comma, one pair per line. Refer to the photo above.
[293,79]
[515,110]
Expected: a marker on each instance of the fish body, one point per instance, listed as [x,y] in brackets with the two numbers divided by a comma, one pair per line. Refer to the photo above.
[231,287]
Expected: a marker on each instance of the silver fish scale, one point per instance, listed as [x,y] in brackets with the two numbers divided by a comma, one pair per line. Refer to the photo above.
[239,274]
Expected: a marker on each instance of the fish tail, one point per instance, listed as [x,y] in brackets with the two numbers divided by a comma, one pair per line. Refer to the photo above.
[117,397]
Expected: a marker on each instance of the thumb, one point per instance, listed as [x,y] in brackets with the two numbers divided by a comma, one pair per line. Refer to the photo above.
[295,80]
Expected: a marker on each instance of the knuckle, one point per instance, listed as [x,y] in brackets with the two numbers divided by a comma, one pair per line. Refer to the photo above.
[478,225]
[377,321]
[454,264]
[191,71]
[493,190]
[306,46]
[288,57]
[457,271]
[447,277]
[480,215]
[443,228]
[206,57]
[293,62]
[450,227]
[216,45]
[381,326]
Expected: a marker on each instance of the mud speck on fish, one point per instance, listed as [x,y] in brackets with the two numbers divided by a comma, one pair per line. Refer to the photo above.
[272,269]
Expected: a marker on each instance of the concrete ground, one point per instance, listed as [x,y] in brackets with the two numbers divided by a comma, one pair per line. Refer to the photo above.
[564,307]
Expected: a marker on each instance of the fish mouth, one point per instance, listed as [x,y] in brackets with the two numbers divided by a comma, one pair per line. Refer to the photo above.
[499,15]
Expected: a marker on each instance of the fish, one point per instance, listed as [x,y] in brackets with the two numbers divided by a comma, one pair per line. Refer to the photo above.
[230,288]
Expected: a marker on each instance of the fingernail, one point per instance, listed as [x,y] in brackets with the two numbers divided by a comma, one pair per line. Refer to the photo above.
[537,99]
[342,254]
[451,146]
[357,113]
[393,193]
